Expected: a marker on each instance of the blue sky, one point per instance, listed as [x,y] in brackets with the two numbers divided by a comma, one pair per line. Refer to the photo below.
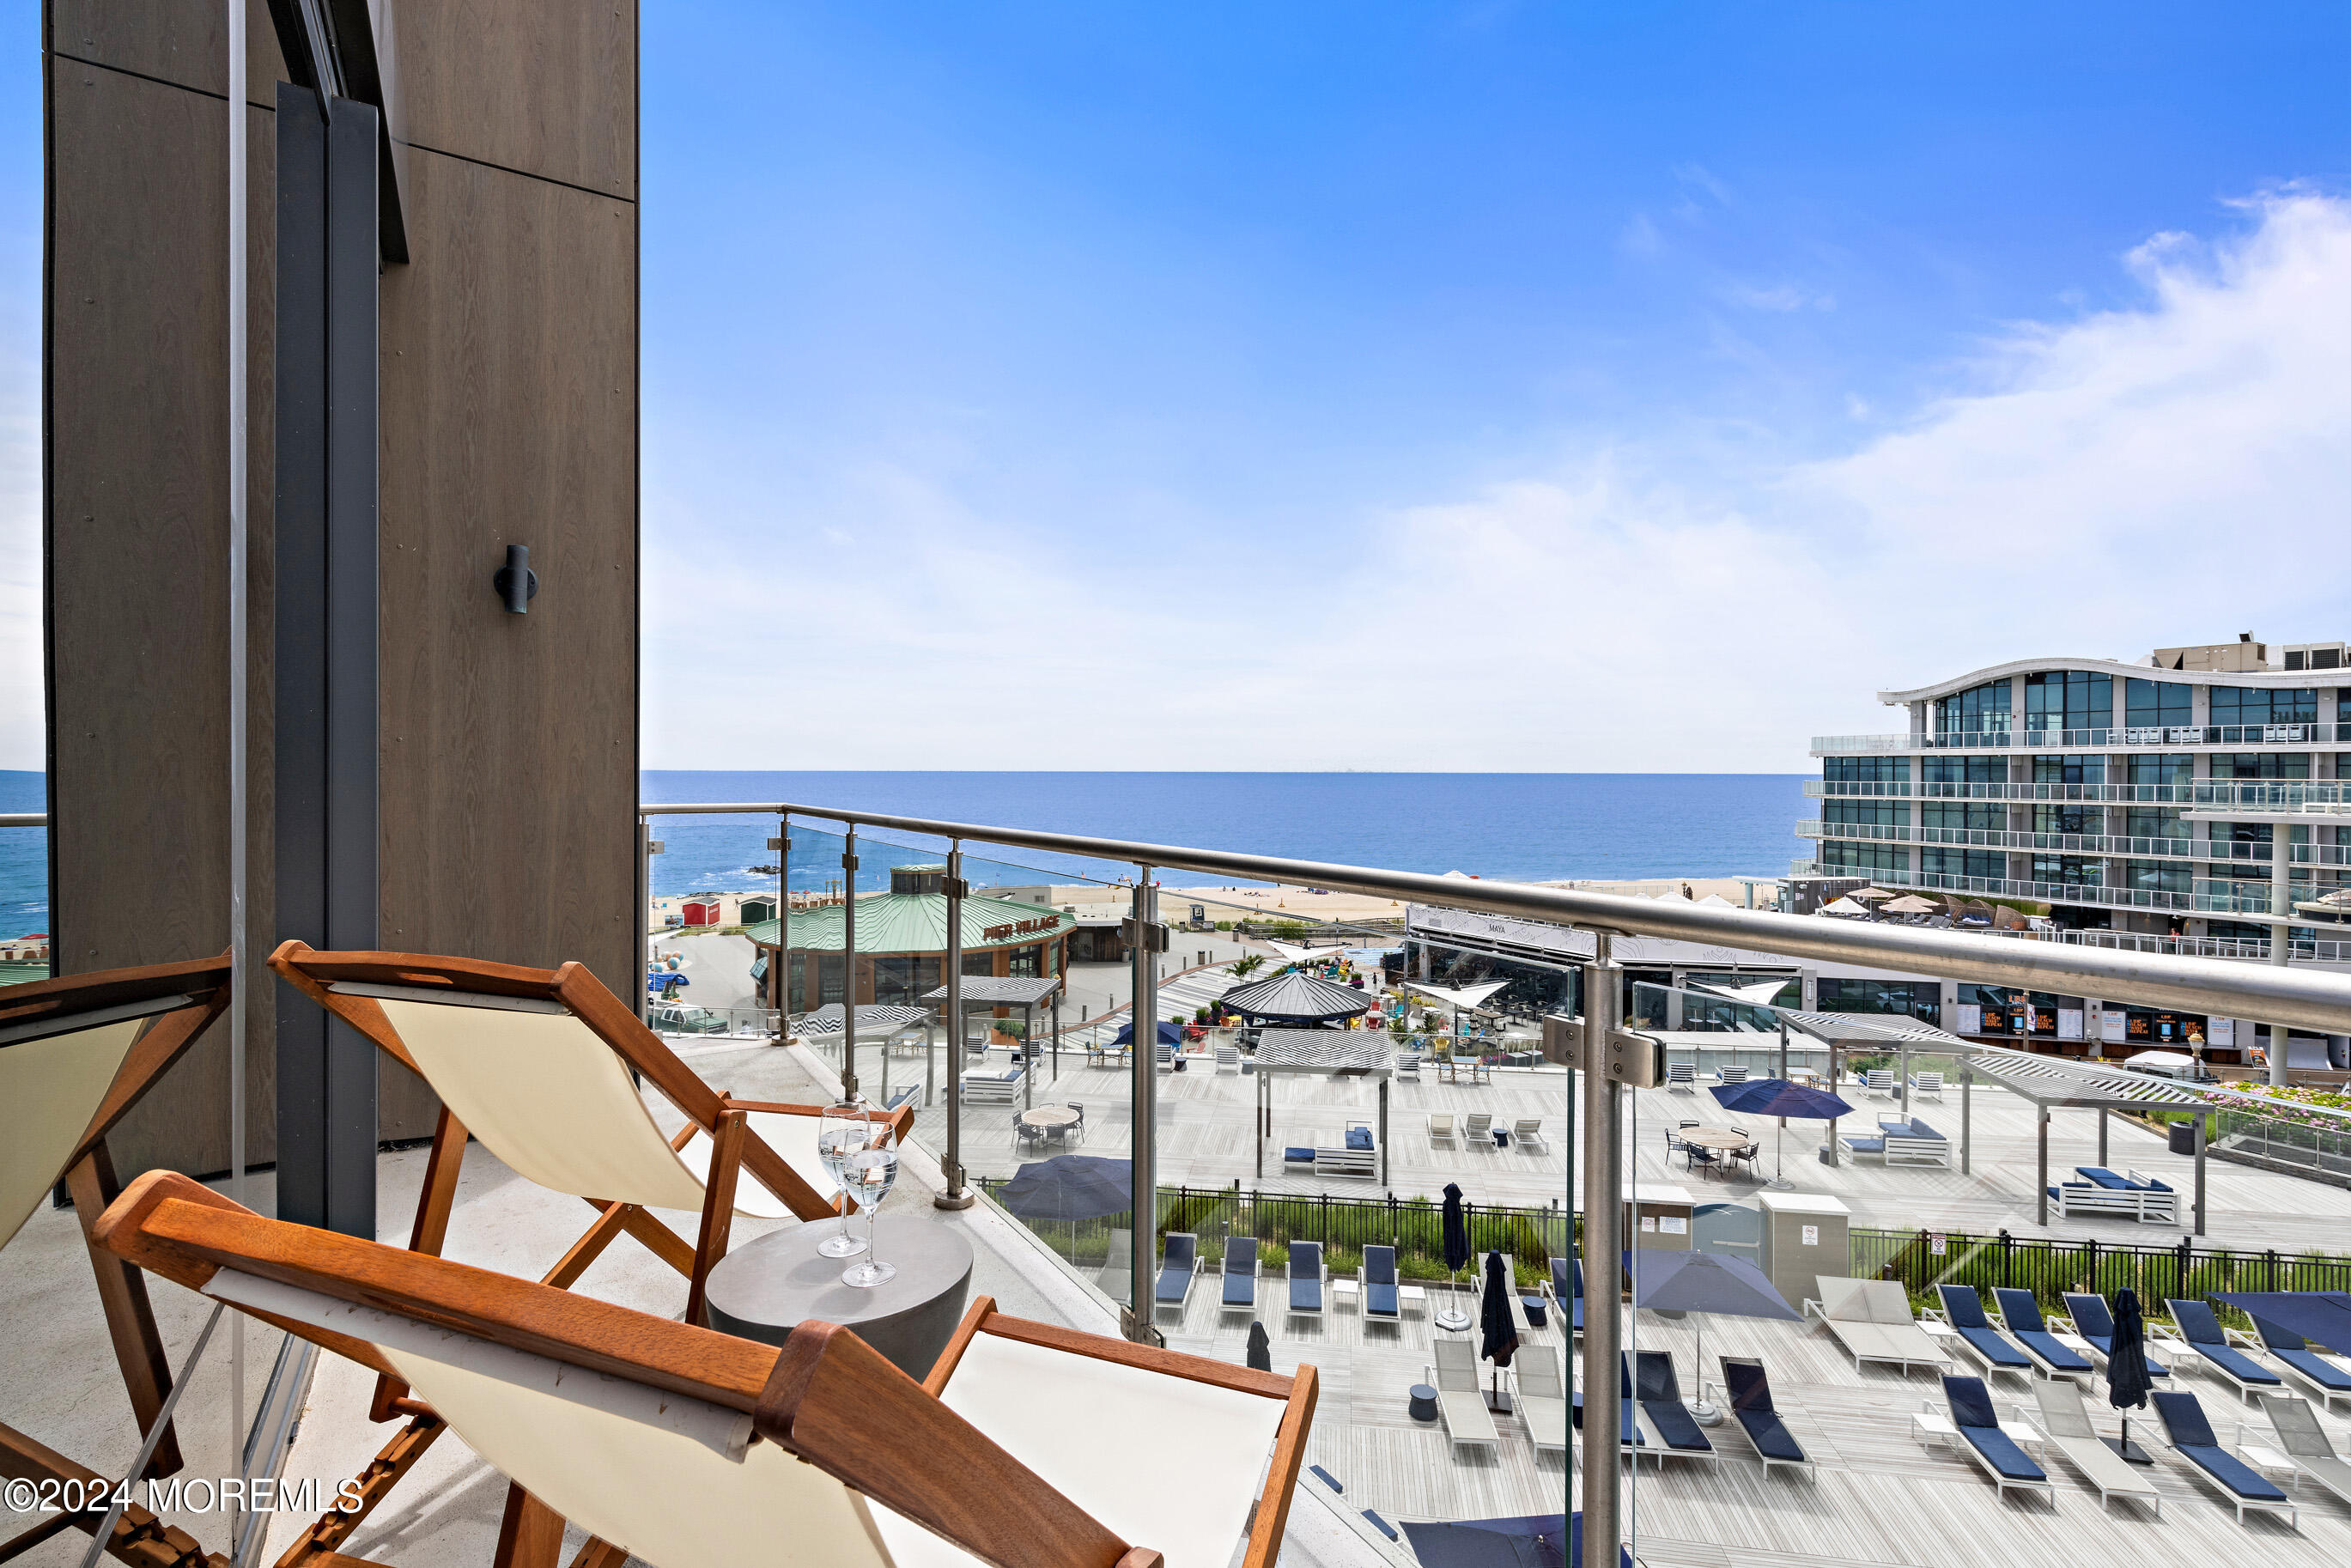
[1483,386]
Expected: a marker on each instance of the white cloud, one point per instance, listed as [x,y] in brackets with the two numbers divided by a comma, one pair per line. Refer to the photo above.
[1783,297]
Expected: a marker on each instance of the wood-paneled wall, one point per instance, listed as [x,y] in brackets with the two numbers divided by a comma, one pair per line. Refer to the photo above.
[509,416]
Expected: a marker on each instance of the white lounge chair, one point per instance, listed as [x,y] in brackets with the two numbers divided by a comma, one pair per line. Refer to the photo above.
[1730,1074]
[1681,1077]
[1477,1129]
[1529,1130]
[1460,1402]
[1440,1127]
[1116,1279]
[767,1457]
[2305,1442]
[1871,1319]
[2191,1437]
[1542,1398]
[2067,1420]
[1229,1058]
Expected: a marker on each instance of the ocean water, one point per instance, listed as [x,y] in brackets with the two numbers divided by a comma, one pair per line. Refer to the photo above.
[1534,826]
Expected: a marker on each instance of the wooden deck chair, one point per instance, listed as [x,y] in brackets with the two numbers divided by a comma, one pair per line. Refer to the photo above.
[76,1054]
[695,1450]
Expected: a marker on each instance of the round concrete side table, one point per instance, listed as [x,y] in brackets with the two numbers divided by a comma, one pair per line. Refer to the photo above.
[761,1291]
[1423,1402]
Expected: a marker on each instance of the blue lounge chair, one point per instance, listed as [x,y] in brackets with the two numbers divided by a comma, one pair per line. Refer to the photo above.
[1375,1282]
[1178,1267]
[1306,1279]
[2020,1314]
[1994,1450]
[1565,1292]
[2201,1335]
[1659,1394]
[1240,1275]
[2094,1322]
[1628,1430]
[1963,1310]
[1751,1403]
[2326,1380]
[2191,1434]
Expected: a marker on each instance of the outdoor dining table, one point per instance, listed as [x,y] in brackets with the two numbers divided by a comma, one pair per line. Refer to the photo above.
[1721,1140]
[1049,1116]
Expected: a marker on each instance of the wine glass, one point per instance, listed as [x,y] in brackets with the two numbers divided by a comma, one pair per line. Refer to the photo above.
[870,1172]
[843,1129]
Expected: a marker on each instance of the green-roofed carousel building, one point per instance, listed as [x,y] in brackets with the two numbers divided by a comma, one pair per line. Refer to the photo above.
[902,942]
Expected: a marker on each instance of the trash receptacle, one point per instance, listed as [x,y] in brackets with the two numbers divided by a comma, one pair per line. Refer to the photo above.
[2183,1138]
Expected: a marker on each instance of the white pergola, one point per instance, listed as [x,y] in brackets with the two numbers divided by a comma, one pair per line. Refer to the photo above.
[2052,1083]
[1320,1053]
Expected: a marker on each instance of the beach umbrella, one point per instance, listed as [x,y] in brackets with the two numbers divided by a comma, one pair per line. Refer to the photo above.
[1844,906]
[1261,1352]
[1778,1097]
[1169,1034]
[2321,1316]
[2126,1376]
[1869,893]
[1708,1282]
[1497,1330]
[1071,1187]
[1911,904]
[1456,1237]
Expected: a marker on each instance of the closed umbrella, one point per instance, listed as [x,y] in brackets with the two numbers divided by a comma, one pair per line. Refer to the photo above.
[1498,1329]
[1778,1097]
[1457,1253]
[2127,1374]
[1261,1352]
[1708,1282]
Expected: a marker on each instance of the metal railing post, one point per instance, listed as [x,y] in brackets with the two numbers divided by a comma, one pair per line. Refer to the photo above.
[956,1195]
[1143,1281]
[1604,1183]
[783,847]
[2281,935]
[647,847]
[848,963]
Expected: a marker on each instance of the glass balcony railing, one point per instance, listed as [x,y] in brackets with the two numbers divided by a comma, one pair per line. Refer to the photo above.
[2131,846]
[2321,799]
[2208,895]
[2171,736]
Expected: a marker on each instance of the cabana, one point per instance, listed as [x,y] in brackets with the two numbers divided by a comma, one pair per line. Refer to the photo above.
[1320,1053]
[2053,1082]
[1842,1033]
[990,992]
[1295,1001]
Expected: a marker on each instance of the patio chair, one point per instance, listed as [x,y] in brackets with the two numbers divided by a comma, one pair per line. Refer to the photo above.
[1681,1077]
[1179,1268]
[1927,1085]
[1240,1293]
[1542,1398]
[2201,1335]
[76,1054]
[2305,1442]
[1871,1320]
[1527,1131]
[1750,1389]
[1567,1274]
[2066,1419]
[1229,1058]
[2326,1379]
[1460,1403]
[2094,1324]
[1307,1275]
[676,1445]
[1878,1081]
[2020,1314]
[1994,1451]
[1377,1287]
[1115,1277]
[1729,1073]
[1440,1127]
[1478,1129]
[1407,1067]
[1963,1310]
[1163,1058]
[2191,1434]
[1658,1392]
[1630,1439]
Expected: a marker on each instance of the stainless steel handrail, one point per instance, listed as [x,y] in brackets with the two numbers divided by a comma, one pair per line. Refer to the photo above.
[2300,998]
[24,820]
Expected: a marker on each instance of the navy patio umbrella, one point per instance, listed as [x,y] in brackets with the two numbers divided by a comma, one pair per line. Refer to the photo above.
[1708,1282]
[1778,1097]
[2321,1316]
[1071,1187]
[1169,1034]
[2126,1376]
[1535,1541]
[1456,1240]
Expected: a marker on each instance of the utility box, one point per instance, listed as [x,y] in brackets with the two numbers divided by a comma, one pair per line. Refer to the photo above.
[1658,1218]
[1805,1235]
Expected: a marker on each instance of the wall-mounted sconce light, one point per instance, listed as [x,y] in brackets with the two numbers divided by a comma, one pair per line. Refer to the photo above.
[516,582]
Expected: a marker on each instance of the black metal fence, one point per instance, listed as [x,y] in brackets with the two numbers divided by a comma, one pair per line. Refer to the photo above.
[1922,1259]
[1414,1227]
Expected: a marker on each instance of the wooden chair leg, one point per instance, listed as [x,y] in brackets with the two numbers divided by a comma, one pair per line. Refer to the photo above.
[122,1296]
[600,1554]
[138,1538]
[530,1533]
[717,1212]
[427,1236]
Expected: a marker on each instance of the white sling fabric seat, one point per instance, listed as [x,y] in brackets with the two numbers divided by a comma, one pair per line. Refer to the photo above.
[50,1088]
